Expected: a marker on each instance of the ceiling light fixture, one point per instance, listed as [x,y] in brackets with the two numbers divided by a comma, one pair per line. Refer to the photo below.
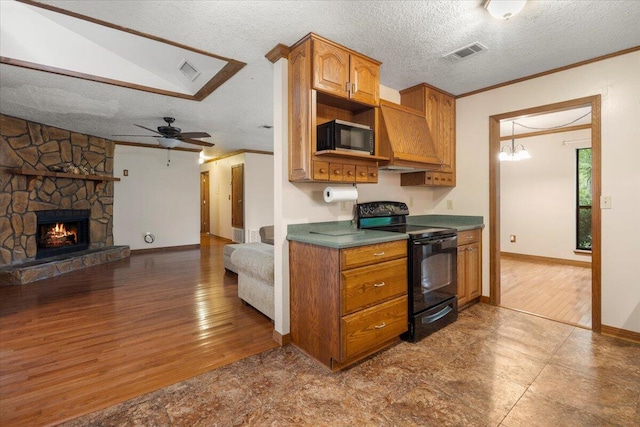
[504,9]
[514,153]
[168,142]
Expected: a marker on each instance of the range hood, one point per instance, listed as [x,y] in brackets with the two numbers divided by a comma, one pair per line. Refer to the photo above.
[405,139]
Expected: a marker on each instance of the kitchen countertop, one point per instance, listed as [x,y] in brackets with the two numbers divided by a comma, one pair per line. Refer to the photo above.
[339,234]
[343,234]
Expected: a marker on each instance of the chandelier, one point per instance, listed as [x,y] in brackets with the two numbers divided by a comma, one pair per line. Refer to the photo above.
[515,152]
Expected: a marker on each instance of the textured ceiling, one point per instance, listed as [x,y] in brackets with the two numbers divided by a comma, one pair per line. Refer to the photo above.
[408,37]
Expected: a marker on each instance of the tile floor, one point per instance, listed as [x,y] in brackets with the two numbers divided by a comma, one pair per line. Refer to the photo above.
[493,367]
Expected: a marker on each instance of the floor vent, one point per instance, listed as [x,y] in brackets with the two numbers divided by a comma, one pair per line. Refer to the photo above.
[466,52]
[237,235]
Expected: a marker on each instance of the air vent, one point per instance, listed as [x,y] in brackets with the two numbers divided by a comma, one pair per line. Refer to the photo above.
[466,52]
[189,70]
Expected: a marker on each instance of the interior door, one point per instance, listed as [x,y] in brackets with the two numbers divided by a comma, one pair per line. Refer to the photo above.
[237,196]
[204,203]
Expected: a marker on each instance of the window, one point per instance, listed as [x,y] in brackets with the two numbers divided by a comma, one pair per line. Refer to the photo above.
[583,199]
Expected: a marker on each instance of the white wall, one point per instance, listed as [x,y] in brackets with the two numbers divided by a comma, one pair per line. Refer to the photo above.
[616,80]
[220,194]
[538,197]
[258,192]
[156,198]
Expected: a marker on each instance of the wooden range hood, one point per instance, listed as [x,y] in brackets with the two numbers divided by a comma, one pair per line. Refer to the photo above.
[405,139]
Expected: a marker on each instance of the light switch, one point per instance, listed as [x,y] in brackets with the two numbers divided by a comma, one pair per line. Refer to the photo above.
[605,202]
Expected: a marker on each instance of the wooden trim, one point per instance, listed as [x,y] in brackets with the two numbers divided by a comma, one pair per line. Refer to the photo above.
[577,325]
[281,339]
[546,132]
[582,252]
[339,46]
[158,146]
[166,248]
[412,88]
[485,300]
[235,153]
[278,52]
[222,76]
[494,197]
[620,333]
[536,258]
[34,172]
[555,70]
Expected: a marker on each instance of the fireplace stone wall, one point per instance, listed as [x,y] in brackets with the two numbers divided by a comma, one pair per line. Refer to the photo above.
[34,146]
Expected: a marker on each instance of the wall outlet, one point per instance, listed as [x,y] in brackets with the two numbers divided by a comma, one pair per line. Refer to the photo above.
[343,206]
[512,238]
[410,201]
[450,205]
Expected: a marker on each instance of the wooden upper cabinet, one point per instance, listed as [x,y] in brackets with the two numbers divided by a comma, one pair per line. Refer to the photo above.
[328,82]
[439,110]
[346,74]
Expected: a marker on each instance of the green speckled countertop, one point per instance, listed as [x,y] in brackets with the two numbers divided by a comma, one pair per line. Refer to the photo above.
[344,234]
[339,234]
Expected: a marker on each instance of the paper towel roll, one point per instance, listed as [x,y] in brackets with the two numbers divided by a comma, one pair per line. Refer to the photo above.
[340,194]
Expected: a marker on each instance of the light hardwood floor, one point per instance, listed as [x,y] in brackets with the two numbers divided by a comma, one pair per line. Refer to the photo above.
[86,340]
[555,291]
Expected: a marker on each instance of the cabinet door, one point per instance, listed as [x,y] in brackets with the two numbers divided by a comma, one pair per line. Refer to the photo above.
[473,271]
[365,81]
[447,133]
[462,276]
[330,69]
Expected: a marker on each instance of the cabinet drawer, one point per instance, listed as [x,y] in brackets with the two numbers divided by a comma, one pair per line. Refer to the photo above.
[468,236]
[335,172]
[365,286]
[321,171]
[369,254]
[367,329]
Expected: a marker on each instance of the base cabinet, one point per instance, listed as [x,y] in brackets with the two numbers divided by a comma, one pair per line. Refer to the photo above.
[347,303]
[469,266]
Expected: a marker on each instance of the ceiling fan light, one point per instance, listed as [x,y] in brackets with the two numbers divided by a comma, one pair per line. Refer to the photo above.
[168,142]
[504,9]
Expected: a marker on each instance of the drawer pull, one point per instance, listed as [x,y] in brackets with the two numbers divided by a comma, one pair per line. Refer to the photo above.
[378,254]
[379,285]
[380,326]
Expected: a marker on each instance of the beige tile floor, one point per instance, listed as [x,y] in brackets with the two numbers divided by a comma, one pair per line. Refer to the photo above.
[493,367]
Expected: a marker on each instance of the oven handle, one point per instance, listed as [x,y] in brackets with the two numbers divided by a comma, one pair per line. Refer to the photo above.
[434,241]
[439,315]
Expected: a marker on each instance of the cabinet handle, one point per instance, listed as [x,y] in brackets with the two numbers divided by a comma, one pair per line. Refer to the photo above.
[380,326]
[374,174]
[363,174]
[379,285]
[349,173]
[336,172]
[323,170]
[378,254]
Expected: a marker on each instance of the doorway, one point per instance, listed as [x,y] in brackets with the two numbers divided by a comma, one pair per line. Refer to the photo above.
[495,196]
[204,203]
[237,196]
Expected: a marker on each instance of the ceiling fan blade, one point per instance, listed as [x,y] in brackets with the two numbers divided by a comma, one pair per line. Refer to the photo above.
[196,142]
[195,135]
[139,136]
[150,130]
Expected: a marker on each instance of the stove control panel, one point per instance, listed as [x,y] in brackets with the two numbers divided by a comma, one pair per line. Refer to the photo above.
[381,209]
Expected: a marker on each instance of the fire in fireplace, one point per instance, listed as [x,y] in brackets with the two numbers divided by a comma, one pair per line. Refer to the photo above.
[62,231]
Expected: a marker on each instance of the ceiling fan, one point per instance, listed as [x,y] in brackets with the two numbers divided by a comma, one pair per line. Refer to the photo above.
[169,136]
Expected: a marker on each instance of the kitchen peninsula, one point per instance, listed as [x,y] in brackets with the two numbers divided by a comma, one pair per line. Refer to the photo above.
[348,286]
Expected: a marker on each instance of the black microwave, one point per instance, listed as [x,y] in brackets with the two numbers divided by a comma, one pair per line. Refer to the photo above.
[341,135]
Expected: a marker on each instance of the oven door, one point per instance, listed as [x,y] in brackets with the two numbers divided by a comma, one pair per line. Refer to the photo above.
[433,272]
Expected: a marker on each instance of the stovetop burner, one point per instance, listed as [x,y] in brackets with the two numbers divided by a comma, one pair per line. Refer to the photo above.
[392,217]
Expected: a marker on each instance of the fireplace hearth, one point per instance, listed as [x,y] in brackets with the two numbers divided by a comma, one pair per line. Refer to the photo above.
[62,231]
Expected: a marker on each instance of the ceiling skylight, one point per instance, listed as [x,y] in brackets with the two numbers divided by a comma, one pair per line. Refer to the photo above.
[45,38]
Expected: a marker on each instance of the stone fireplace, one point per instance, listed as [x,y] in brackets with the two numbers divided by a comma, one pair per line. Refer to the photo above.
[38,198]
